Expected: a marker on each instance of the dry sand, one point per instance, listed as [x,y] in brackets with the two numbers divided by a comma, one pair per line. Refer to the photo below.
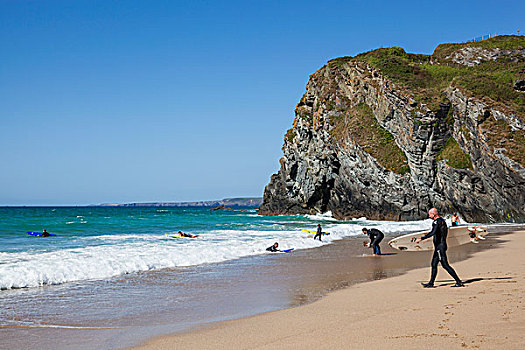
[489,313]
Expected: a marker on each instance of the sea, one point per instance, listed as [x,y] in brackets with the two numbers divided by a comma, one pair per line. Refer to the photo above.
[111,278]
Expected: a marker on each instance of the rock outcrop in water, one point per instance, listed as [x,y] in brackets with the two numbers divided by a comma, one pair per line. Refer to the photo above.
[388,135]
[220,207]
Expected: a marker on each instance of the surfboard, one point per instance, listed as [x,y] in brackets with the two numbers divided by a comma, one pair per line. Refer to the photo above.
[315,232]
[39,234]
[286,250]
[283,251]
[178,236]
[457,235]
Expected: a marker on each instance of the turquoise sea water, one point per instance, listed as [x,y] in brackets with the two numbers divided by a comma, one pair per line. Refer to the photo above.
[104,242]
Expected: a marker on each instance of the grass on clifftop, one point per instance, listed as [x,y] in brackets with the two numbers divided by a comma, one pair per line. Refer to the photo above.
[363,128]
[410,71]
[504,42]
[454,155]
[426,81]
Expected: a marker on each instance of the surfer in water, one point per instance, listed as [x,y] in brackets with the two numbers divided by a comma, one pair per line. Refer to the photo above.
[273,248]
[439,232]
[182,234]
[376,237]
[319,232]
[45,233]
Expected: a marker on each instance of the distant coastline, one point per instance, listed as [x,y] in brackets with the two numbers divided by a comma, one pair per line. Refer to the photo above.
[229,202]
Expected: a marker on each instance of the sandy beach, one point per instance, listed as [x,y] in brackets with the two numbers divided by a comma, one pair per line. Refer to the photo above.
[395,312]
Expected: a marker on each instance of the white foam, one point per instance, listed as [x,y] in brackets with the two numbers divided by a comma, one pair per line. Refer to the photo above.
[108,256]
[322,217]
[40,325]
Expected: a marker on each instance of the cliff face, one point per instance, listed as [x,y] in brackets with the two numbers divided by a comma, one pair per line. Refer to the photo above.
[388,135]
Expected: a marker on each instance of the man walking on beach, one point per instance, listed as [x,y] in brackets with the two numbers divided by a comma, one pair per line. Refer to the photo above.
[439,232]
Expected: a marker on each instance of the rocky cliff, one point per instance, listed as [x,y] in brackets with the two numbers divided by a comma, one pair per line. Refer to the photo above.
[388,135]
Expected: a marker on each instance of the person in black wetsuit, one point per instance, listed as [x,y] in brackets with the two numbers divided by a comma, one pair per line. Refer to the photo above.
[273,248]
[439,233]
[376,237]
[319,232]
[45,233]
[183,234]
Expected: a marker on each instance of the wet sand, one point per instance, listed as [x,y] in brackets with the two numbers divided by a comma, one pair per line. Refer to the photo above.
[488,313]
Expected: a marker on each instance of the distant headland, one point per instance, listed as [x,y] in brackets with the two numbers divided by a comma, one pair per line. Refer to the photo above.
[228,202]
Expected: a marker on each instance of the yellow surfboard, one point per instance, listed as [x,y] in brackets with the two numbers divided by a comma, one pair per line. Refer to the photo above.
[315,232]
[178,236]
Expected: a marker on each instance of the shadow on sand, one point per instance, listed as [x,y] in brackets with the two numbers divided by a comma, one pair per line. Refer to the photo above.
[444,283]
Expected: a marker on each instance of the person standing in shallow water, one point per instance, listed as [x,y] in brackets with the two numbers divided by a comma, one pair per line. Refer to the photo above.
[439,233]
[376,237]
[319,232]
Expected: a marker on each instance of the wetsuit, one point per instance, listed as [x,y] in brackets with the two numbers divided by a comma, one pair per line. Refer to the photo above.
[272,249]
[439,233]
[376,237]
[319,233]
[45,234]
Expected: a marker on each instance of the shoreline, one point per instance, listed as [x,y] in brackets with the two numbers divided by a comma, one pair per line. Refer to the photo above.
[130,309]
[408,315]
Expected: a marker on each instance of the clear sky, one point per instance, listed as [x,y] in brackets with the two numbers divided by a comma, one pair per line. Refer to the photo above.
[126,101]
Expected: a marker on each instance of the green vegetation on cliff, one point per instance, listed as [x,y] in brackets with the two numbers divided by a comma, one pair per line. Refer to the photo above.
[503,42]
[360,124]
[290,135]
[412,72]
[454,155]
[426,77]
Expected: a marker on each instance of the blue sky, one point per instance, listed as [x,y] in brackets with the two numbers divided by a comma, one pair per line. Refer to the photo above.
[125,101]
